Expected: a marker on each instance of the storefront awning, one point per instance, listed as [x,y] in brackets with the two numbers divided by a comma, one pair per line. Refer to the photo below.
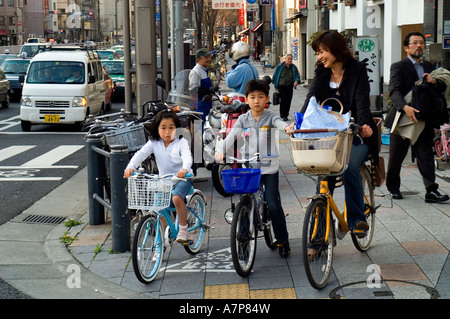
[258,27]
[246,31]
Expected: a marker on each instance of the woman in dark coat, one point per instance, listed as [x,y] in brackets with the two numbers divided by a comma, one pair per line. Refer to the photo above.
[339,75]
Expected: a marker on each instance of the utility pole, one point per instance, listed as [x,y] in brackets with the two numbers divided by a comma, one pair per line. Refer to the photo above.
[127,55]
[179,49]
[146,63]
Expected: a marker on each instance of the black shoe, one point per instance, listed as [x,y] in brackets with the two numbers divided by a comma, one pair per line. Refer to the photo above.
[435,197]
[361,229]
[397,195]
[284,250]
[285,119]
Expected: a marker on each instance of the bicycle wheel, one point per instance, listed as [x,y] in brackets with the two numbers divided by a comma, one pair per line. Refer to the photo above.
[196,209]
[148,248]
[362,244]
[269,235]
[243,237]
[317,251]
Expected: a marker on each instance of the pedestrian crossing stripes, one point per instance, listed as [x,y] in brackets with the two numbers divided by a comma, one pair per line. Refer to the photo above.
[27,171]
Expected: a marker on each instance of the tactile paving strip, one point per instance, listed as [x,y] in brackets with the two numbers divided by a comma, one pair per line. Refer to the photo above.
[242,291]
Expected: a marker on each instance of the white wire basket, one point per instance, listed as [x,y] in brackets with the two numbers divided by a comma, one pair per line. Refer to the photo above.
[131,136]
[322,156]
[149,193]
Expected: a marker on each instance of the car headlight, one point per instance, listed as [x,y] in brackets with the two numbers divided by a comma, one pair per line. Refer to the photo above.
[25,101]
[79,101]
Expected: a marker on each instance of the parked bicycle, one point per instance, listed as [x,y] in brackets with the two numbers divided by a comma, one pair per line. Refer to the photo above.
[250,215]
[325,157]
[152,195]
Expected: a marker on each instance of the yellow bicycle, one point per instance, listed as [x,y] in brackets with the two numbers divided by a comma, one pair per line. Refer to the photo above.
[324,222]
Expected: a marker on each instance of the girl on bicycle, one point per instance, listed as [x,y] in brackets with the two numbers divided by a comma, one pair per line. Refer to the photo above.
[173,156]
[339,75]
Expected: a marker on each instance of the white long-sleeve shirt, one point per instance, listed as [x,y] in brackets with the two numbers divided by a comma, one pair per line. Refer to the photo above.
[176,156]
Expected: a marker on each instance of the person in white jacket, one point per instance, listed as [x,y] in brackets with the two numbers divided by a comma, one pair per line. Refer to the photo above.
[173,156]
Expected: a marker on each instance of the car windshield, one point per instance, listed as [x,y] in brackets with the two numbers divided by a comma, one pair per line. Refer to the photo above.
[106,54]
[30,50]
[56,72]
[113,67]
[15,66]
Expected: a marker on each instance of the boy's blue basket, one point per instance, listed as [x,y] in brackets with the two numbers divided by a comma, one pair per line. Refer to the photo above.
[241,180]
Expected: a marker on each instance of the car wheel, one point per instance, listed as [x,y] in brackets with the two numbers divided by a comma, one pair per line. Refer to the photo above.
[26,125]
[5,103]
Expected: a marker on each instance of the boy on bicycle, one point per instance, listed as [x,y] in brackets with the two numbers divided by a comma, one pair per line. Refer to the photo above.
[259,129]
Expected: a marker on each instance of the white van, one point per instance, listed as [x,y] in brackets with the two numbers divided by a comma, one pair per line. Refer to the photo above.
[64,86]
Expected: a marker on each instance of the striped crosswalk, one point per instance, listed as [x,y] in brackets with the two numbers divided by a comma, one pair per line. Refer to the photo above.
[26,170]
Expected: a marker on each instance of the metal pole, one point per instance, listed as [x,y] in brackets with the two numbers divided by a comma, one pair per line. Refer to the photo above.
[127,56]
[179,49]
[164,47]
[145,52]
[95,173]
[120,218]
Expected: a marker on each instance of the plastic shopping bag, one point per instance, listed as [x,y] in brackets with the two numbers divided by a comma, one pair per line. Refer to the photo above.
[317,117]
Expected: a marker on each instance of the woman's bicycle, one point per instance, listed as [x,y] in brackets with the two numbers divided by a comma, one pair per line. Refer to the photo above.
[249,216]
[325,157]
[152,194]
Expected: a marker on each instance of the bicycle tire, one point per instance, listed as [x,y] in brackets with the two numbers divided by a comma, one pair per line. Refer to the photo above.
[196,213]
[148,249]
[318,265]
[269,235]
[242,240]
[362,244]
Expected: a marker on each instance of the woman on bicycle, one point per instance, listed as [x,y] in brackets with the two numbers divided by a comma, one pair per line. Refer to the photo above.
[173,156]
[339,75]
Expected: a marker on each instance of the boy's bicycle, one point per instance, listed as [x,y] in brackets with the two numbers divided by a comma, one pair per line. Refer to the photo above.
[324,157]
[152,194]
[249,216]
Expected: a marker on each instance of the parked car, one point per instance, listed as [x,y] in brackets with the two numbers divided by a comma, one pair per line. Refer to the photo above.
[15,70]
[107,54]
[115,69]
[4,89]
[109,89]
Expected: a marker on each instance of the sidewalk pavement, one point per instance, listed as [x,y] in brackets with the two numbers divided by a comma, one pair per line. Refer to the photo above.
[410,247]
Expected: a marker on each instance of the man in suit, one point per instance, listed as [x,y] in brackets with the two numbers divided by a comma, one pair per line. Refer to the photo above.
[404,74]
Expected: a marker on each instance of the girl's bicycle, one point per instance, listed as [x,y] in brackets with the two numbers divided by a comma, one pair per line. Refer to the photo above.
[152,195]
[249,216]
[325,157]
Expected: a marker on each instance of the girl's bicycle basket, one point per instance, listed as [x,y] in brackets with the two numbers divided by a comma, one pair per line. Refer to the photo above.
[148,193]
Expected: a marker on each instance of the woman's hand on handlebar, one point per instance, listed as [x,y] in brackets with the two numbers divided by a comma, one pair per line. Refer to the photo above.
[365,131]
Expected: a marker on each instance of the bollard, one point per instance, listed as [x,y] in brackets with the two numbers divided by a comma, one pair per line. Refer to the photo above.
[95,172]
[120,218]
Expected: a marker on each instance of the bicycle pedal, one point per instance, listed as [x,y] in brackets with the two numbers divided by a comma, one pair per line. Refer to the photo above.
[187,243]
[360,233]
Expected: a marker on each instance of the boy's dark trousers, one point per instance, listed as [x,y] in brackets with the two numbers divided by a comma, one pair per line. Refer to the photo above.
[272,197]
[286,93]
